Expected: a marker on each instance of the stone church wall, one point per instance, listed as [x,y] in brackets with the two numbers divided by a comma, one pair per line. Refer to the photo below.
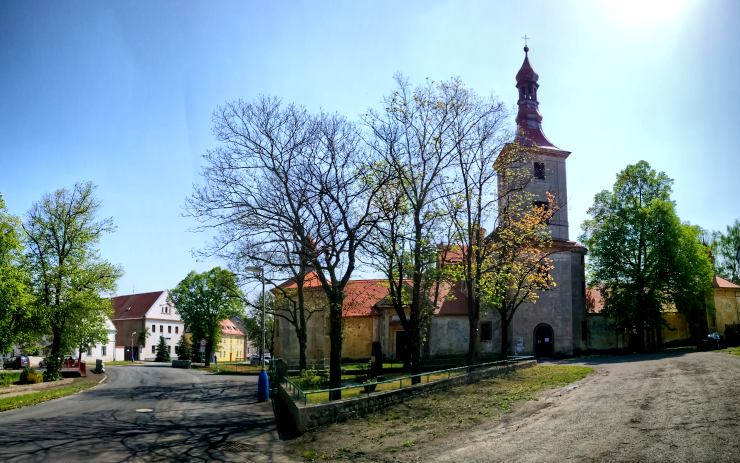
[449,336]
[554,308]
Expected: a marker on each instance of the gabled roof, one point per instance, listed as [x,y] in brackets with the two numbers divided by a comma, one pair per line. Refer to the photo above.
[228,327]
[720,282]
[133,306]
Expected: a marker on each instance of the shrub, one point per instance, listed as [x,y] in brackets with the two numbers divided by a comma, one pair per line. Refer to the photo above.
[6,379]
[31,376]
[310,379]
[53,365]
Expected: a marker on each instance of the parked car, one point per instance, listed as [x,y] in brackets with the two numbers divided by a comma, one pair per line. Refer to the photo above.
[255,359]
[16,363]
[712,341]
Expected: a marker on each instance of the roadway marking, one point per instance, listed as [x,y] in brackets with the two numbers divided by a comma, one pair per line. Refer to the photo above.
[144,410]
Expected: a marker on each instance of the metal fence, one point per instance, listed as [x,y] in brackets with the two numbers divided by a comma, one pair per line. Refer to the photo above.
[368,388]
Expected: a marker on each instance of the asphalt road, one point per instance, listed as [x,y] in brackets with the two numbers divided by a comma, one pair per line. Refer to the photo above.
[677,406]
[147,413]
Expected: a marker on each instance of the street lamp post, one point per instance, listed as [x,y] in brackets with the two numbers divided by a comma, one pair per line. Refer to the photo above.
[263,384]
[132,346]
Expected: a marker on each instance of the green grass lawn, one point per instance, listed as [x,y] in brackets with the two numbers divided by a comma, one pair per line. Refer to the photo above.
[32,398]
[732,350]
[121,363]
[431,416]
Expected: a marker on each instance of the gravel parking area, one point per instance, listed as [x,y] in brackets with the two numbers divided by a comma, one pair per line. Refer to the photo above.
[671,406]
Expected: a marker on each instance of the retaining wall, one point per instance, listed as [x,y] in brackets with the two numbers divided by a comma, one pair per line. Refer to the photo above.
[307,417]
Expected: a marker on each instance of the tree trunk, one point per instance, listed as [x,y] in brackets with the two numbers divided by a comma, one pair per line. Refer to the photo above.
[335,354]
[473,320]
[504,336]
[302,335]
[302,342]
[209,351]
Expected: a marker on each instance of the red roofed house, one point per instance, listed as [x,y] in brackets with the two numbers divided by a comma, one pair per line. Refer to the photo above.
[140,319]
[231,346]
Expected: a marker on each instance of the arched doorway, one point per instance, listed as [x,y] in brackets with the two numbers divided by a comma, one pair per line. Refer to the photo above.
[543,340]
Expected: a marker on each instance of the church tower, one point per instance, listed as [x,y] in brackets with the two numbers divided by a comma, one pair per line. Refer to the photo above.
[548,161]
[556,323]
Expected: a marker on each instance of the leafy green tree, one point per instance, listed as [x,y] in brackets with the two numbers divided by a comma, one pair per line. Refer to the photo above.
[69,277]
[89,332]
[16,309]
[184,349]
[691,279]
[163,351]
[635,240]
[203,300]
[725,247]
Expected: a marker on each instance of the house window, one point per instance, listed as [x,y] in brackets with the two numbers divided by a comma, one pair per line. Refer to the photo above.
[103,350]
[89,351]
[154,328]
[169,348]
[161,328]
[169,329]
[539,170]
[543,204]
[486,331]
[177,329]
[153,350]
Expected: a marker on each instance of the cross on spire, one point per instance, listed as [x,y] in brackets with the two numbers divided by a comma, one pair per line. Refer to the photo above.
[525,39]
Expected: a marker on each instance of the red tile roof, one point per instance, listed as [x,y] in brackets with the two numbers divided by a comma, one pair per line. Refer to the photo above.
[720,282]
[132,306]
[453,300]
[228,327]
[311,281]
[362,296]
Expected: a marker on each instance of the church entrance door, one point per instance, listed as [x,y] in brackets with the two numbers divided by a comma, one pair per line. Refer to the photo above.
[543,340]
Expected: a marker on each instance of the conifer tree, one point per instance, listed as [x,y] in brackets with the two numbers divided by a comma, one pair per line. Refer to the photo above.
[184,349]
[163,351]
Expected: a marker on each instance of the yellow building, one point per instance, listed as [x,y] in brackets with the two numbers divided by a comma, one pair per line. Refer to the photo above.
[231,346]
[726,305]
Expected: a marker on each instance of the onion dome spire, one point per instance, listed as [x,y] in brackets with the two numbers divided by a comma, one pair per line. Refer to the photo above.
[529,119]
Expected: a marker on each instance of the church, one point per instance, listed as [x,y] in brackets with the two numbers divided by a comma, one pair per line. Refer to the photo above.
[554,326]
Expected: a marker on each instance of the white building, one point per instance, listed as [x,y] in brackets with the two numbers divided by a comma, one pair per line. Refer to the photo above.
[141,319]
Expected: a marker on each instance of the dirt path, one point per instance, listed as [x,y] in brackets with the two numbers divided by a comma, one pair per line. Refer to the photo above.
[680,406]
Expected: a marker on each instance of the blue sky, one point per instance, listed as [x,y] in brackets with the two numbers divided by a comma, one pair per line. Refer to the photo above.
[121,93]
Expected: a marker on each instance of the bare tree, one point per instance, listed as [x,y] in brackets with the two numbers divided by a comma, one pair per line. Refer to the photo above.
[412,135]
[254,197]
[341,217]
[478,134]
